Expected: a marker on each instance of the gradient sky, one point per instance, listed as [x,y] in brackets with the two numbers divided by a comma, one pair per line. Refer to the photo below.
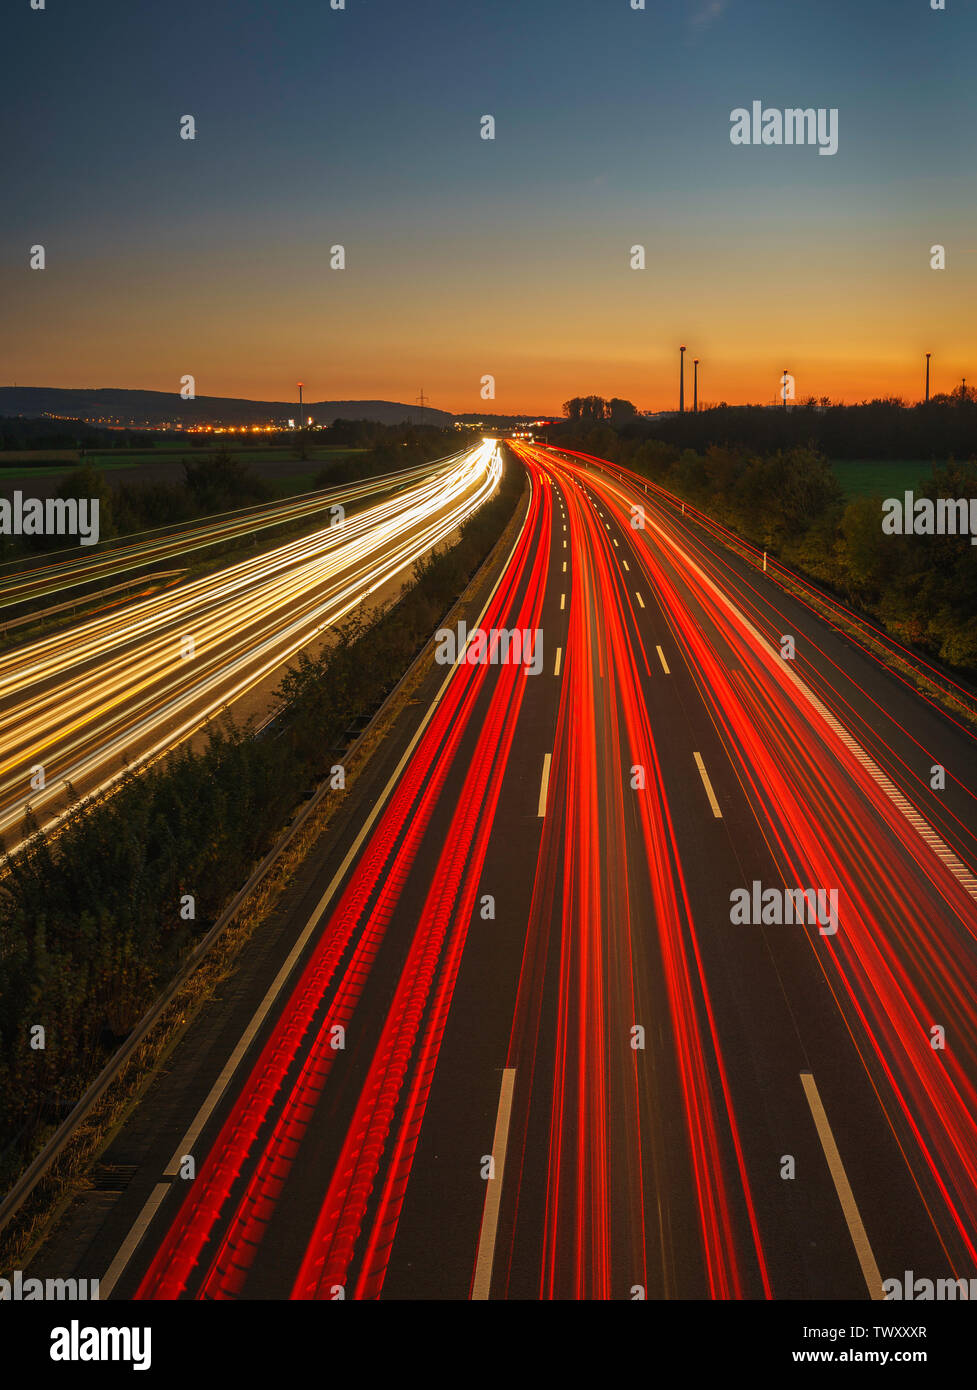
[465,256]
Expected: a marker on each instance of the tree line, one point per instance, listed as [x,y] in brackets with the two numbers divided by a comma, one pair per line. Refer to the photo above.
[23,432]
[593,409]
[943,428]
[221,480]
[923,589]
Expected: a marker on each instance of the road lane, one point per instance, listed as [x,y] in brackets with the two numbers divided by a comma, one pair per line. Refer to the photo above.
[78,707]
[660,1140]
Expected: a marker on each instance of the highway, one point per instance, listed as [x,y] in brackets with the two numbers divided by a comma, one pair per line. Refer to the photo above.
[59,573]
[506,1038]
[124,686]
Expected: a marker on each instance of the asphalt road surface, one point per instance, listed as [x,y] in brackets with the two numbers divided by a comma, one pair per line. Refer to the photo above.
[79,706]
[509,1036]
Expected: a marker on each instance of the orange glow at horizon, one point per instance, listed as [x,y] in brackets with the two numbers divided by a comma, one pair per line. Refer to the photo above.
[851,331]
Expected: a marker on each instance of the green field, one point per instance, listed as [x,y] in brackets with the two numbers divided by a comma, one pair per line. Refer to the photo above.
[55,469]
[110,460]
[880,477]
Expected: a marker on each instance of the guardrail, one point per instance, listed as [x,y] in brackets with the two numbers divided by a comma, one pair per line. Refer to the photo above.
[39,614]
[865,631]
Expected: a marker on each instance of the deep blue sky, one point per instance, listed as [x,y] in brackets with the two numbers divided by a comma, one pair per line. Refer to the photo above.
[360,126]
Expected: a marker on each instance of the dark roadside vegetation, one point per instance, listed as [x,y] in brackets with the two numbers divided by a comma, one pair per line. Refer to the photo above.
[214,479]
[90,920]
[768,475]
[218,480]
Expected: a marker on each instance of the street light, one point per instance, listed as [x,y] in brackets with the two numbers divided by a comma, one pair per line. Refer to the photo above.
[695,386]
[681,380]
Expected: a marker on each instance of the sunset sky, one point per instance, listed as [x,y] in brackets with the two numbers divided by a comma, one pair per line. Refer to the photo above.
[464,256]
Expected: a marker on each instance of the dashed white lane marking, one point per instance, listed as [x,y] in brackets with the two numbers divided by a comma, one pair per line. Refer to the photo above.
[544,785]
[559,658]
[846,1197]
[216,1092]
[708,786]
[940,848]
[661,658]
[482,1283]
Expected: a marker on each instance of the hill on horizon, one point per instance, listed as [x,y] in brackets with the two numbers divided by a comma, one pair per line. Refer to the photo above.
[119,405]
